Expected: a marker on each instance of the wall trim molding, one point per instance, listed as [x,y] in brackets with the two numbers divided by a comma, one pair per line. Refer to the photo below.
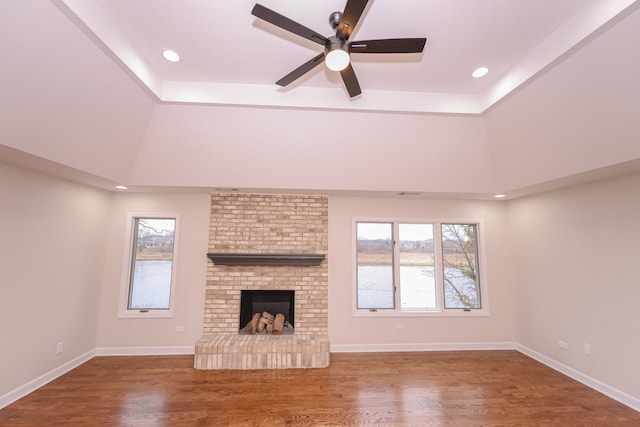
[585,379]
[366,348]
[146,351]
[33,385]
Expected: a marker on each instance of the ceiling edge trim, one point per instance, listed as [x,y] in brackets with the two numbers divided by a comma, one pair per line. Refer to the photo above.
[316,97]
[583,24]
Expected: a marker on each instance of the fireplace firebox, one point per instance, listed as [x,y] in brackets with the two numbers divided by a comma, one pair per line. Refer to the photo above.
[273,302]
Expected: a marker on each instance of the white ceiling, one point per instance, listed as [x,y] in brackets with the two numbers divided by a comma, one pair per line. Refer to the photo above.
[86,95]
[231,57]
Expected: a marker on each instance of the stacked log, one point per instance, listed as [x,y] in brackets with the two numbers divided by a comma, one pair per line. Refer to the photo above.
[265,323]
[278,324]
[252,326]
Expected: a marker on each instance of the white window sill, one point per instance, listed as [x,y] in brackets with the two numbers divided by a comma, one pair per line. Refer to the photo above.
[400,314]
[151,314]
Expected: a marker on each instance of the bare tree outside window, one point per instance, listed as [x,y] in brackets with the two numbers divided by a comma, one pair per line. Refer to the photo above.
[460,266]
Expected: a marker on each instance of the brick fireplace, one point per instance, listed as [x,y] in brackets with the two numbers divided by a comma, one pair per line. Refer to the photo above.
[268,243]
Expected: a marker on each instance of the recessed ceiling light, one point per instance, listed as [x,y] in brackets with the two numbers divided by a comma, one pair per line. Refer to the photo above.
[480,72]
[500,196]
[121,187]
[170,55]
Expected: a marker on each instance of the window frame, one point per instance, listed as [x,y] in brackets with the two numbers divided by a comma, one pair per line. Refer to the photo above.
[440,310]
[130,240]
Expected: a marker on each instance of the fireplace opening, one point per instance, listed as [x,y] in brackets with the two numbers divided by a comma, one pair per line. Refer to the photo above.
[273,302]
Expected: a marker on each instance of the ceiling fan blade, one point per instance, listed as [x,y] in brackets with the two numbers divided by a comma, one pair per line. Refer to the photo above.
[350,81]
[301,70]
[388,46]
[352,13]
[287,24]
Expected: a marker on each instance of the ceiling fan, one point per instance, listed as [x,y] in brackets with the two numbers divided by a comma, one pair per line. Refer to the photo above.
[337,48]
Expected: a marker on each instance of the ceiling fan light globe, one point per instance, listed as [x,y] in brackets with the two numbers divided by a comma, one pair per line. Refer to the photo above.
[337,59]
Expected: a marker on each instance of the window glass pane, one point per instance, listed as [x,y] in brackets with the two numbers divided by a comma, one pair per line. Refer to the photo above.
[152,263]
[417,271]
[374,249]
[460,266]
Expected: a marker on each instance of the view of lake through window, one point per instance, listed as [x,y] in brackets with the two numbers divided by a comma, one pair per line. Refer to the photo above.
[152,263]
[397,266]
[417,267]
[375,265]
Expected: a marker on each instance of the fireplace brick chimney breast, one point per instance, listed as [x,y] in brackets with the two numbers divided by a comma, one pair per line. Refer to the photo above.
[266,224]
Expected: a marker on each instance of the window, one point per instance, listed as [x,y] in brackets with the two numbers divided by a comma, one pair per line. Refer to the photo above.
[151,266]
[417,267]
[375,265]
[460,266]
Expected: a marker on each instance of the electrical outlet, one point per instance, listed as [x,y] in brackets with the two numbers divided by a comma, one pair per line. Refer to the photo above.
[59,347]
[563,344]
[587,348]
[179,328]
[399,325]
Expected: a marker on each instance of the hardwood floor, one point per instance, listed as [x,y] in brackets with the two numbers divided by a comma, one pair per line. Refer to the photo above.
[467,388]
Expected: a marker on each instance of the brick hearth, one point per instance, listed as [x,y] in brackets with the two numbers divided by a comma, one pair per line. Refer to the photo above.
[224,351]
[266,224]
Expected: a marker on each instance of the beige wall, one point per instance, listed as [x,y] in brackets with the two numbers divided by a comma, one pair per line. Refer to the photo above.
[577,252]
[559,266]
[191,264]
[52,240]
[345,330]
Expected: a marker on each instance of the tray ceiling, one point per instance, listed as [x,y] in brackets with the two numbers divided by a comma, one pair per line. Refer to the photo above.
[230,57]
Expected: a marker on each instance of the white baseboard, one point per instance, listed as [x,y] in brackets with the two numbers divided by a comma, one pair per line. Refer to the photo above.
[145,351]
[365,348]
[599,386]
[33,385]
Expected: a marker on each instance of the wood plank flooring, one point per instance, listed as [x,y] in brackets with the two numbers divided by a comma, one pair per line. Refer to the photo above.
[466,388]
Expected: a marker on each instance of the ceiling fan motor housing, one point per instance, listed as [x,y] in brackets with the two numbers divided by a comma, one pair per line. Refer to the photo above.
[334,43]
[334,20]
